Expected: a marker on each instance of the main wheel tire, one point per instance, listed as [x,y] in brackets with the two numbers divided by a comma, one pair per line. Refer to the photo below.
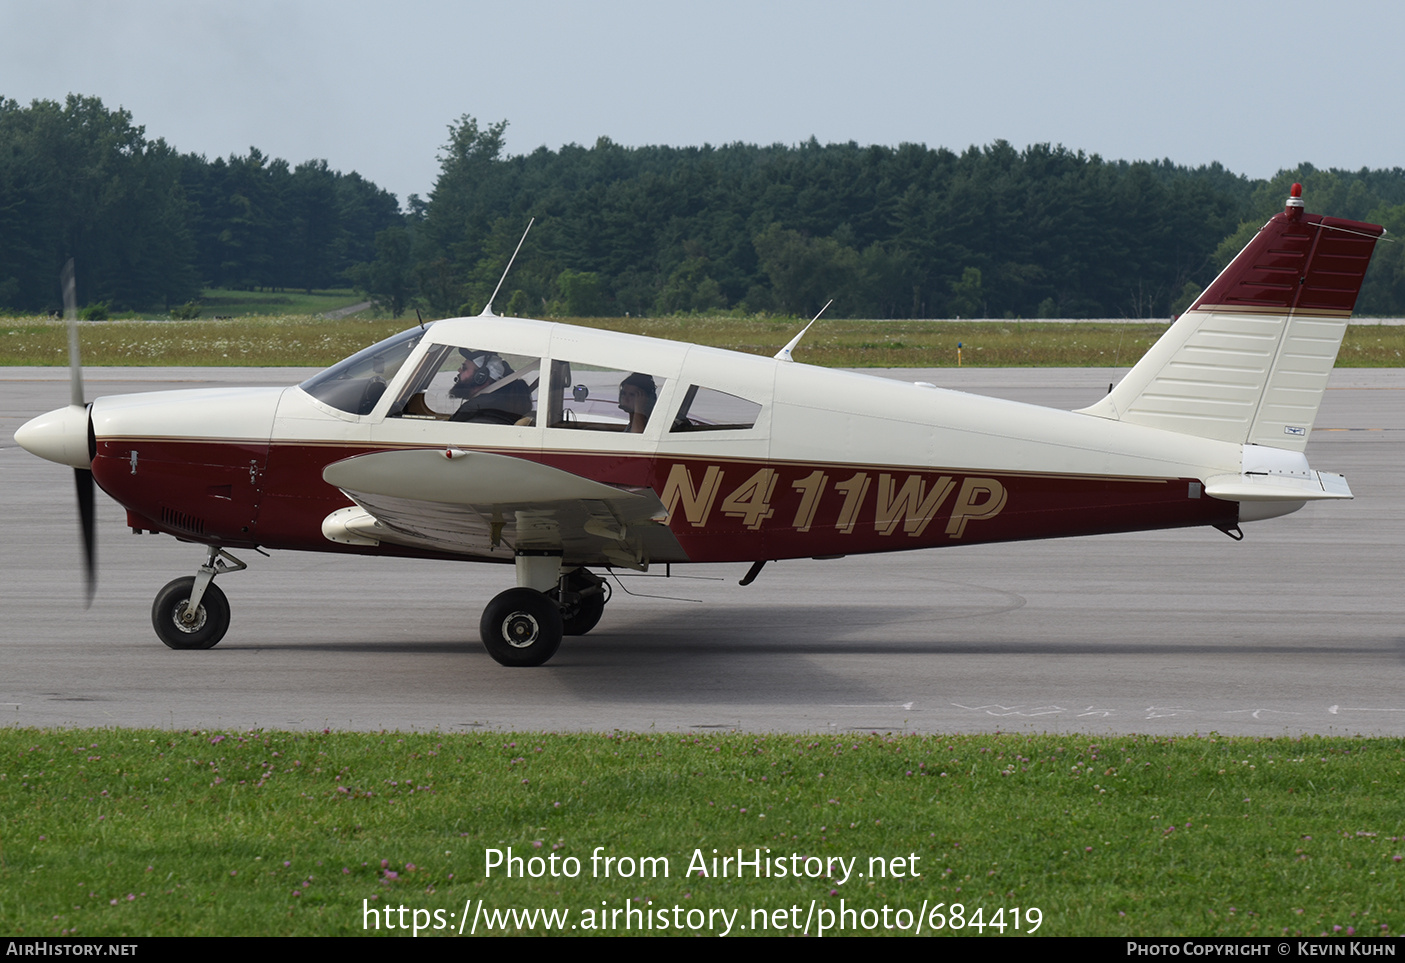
[521,627]
[211,621]
[586,616]
[581,615]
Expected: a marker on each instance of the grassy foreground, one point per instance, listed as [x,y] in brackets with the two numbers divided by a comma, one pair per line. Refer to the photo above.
[127,832]
[298,340]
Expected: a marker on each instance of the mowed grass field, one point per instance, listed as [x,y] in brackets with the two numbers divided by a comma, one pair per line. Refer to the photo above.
[234,303]
[125,833]
[303,340]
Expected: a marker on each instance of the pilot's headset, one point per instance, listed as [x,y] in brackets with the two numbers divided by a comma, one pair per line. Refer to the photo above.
[489,366]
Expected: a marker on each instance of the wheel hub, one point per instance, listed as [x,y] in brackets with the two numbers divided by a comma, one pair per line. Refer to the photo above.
[520,630]
[187,621]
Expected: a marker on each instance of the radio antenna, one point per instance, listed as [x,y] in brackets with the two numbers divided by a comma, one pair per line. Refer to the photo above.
[488,308]
[784,353]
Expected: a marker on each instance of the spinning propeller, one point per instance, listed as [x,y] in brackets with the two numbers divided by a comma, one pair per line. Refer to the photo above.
[65,435]
[82,477]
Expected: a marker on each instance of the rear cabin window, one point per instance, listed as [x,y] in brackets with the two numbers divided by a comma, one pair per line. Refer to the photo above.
[707,409]
[596,398]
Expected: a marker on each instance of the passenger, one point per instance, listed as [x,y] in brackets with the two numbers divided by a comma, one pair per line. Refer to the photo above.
[638,395]
[485,400]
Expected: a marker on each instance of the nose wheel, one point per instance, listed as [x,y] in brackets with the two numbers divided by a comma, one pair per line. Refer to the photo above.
[192,612]
[180,626]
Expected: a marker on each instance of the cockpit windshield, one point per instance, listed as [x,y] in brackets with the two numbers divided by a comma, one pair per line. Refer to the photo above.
[355,384]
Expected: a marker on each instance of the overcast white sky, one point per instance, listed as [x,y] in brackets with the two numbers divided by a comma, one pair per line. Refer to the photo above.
[372,86]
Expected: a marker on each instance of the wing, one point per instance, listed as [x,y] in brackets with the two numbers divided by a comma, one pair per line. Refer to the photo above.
[492,506]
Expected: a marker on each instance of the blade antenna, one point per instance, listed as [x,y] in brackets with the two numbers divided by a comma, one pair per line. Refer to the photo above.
[784,353]
[488,308]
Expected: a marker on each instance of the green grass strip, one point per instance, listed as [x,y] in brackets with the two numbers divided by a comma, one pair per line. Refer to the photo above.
[300,340]
[231,303]
[146,832]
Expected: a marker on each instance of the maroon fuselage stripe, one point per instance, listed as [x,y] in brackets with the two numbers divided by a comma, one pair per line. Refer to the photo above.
[245,494]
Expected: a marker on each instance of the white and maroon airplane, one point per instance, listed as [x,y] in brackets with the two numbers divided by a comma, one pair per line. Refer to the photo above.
[562,449]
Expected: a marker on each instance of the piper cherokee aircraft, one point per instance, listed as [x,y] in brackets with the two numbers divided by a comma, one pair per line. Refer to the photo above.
[562,449]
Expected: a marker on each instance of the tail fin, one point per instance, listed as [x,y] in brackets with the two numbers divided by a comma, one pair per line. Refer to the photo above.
[1248,362]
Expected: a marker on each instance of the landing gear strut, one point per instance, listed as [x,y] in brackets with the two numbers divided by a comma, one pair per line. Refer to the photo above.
[581,596]
[523,626]
[192,612]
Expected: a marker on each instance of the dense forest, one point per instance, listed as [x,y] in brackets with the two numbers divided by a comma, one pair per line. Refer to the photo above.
[149,227]
[906,231]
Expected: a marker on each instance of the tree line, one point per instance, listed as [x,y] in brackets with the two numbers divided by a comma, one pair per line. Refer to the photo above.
[900,232]
[889,232]
[150,227]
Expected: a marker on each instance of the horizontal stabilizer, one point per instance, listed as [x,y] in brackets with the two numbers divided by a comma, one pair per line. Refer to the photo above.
[1249,361]
[1314,486]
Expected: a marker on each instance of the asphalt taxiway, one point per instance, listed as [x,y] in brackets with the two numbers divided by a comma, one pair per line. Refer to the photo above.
[1296,629]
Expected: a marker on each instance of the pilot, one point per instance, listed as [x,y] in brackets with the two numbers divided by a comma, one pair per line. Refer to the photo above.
[486,397]
[638,395]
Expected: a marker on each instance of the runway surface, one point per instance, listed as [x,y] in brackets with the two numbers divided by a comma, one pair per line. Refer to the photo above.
[1297,629]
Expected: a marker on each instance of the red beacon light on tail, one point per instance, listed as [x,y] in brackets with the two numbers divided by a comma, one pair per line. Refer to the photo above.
[1294,206]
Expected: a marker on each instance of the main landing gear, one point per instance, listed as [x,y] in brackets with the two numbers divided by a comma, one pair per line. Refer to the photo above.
[192,612]
[520,627]
[523,626]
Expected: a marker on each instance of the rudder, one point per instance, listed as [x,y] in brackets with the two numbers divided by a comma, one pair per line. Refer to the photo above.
[1249,361]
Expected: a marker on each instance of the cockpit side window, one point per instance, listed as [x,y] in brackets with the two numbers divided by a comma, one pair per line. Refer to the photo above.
[355,384]
[598,398]
[471,385]
[707,409]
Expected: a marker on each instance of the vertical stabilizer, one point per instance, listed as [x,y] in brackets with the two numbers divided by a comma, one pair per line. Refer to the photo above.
[1248,362]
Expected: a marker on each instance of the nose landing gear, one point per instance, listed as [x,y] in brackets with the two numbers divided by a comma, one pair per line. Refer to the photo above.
[192,612]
